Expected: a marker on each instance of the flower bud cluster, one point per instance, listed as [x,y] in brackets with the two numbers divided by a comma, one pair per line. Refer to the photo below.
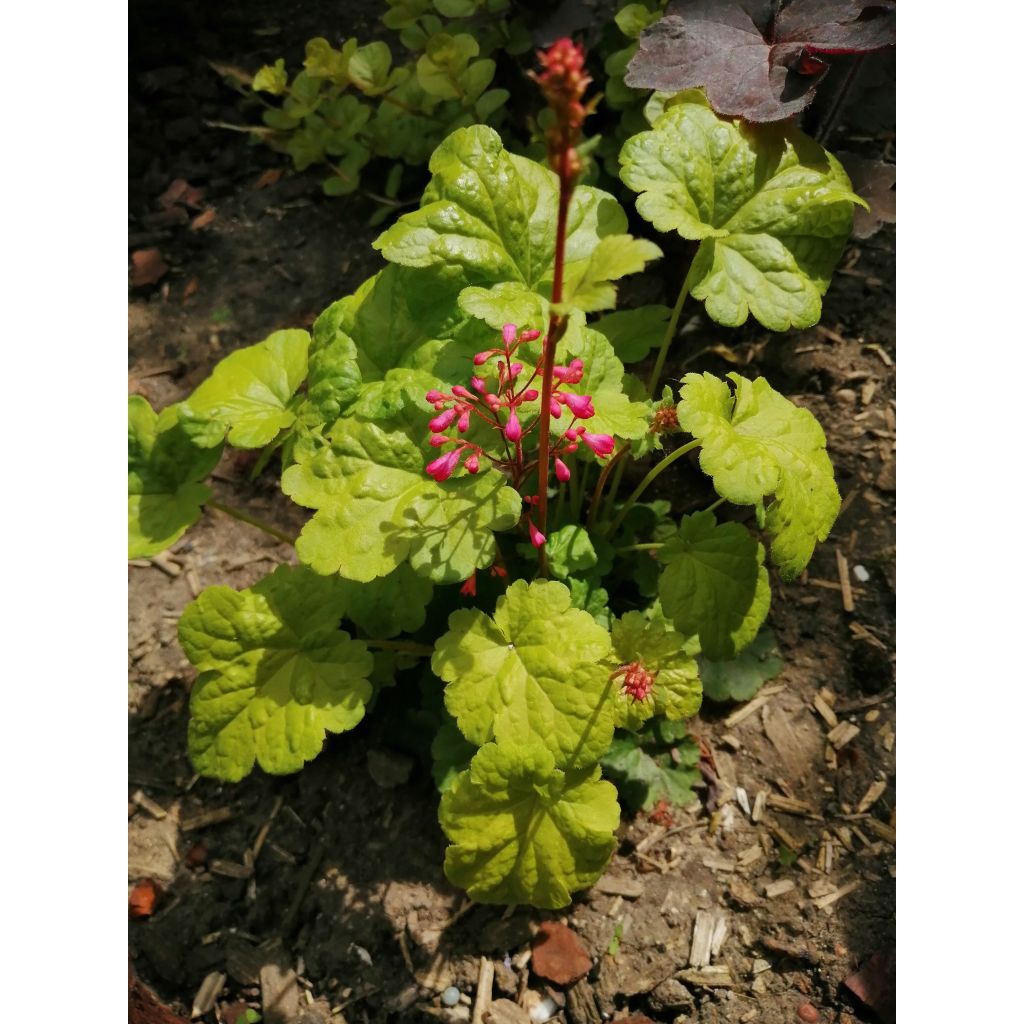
[512,411]
[637,682]
[563,81]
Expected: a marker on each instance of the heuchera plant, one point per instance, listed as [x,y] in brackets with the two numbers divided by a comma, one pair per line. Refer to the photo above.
[459,430]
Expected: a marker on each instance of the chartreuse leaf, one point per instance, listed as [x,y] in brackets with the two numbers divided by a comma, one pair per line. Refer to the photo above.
[451,753]
[643,779]
[250,393]
[756,443]
[570,550]
[714,584]
[276,674]
[334,378]
[533,672]
[165,467]
[524,831]
[771,209]
[377,507]
[492,214]
[271,78]
[392,604]
[633,332]
[508,302]
[591,289]
[670,657]
[744,675]
[588,594]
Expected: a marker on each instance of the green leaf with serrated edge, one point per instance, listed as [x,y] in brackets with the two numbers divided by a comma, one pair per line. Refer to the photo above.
[714,584]
[165,470]
[388,399]
[452,525]
[276,674]
[771,209]
[492,214]
[570,550]
[510,302]
[451,754]
[740,678]
[522,831]
[612,258]
[334,381]
[534,671]
[758,443]
[633,332]
[643,780]
[393,604]
[588,595]
[249,394]
[670,657]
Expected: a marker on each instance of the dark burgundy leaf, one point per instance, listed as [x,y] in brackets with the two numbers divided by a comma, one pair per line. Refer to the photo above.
[874,181]
[750,65]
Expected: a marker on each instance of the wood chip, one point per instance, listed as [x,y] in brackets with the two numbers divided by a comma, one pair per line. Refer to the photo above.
[874,792]
[842,734]
[707,927]
[754,706]
[826,901]
[717,863]
[231,869]
[760,801]
[826,712]
[206,818]
[732,742]
[630,888]
[779,888]
[788,805]
[708,977]
[820,887]
[151,807]
[206,997]
[883,831]
[484,985]
[504,1011]
[279,987]
[843,567]
[750,855]
[167,565]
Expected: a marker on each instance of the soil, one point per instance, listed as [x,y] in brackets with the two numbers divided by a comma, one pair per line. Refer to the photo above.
[345,910]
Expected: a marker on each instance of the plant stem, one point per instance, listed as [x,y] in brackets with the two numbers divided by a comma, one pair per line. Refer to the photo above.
[670,333]
[407,646]
[640,547]
[714,505]
[652,475]
[244,517]
[616,484]
[595,502]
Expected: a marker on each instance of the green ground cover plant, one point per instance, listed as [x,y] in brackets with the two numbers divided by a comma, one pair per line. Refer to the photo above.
[458,428]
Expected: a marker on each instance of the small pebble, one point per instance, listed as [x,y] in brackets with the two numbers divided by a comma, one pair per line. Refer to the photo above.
[860,574]
[544,1011]
[450,996]
[846,396]
[807,1013]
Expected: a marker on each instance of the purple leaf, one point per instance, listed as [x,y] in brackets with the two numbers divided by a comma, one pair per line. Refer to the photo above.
[750,64]
[874,181]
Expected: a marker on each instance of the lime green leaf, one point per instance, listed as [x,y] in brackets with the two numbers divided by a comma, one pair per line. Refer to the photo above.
[452,525]
[493,214]
[271,78]
[613,257]
[756,443]
[334,379]
[772,210]
[633,19]
[249,394]
[323,61]
[633,332]
[507,303]
[744,675]
[714,584]
[165,467]
[368,68]
[533,672]
[455,8]
[670,657]
[451,754]
[570,550]
[591,597]
[445,59]
[524,832]
[276,674]
[643,780]
[393,604]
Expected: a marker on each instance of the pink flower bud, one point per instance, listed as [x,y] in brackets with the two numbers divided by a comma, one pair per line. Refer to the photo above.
[573,432]
[464,422]
[537,539]
[442,422]
[529,336]
[555,409]
[562,470]
[461,391]
[513,429]
[581,405]
[436,440]
[442,468]
[601,445]
[560,372]
[434,396]
[508,334]
[530,395]
[481,357]
[493,402]
[479,384]
[516,369]
[473,464]
[571,447]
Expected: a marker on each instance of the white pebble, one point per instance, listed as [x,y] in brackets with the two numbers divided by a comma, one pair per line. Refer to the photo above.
[450,996]
[544,1010]
[860,574]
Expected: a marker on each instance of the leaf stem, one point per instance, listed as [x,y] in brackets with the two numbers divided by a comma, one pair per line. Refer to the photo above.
[595,502]
[670,333]
[714,505]
[407,646]
[640,547]
[244,517]
[652,475]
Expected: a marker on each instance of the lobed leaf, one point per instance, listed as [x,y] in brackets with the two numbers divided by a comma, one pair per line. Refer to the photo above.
[165,470]
[276,674]
[741,677]
[644,779]
[533,672]
[632,333]
[524,831]
[757,443]
[772,212]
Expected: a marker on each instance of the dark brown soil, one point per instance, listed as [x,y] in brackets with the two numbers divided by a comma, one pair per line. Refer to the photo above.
[348,882]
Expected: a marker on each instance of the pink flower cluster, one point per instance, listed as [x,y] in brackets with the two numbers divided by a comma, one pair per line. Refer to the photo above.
[505,410]
[637,682]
